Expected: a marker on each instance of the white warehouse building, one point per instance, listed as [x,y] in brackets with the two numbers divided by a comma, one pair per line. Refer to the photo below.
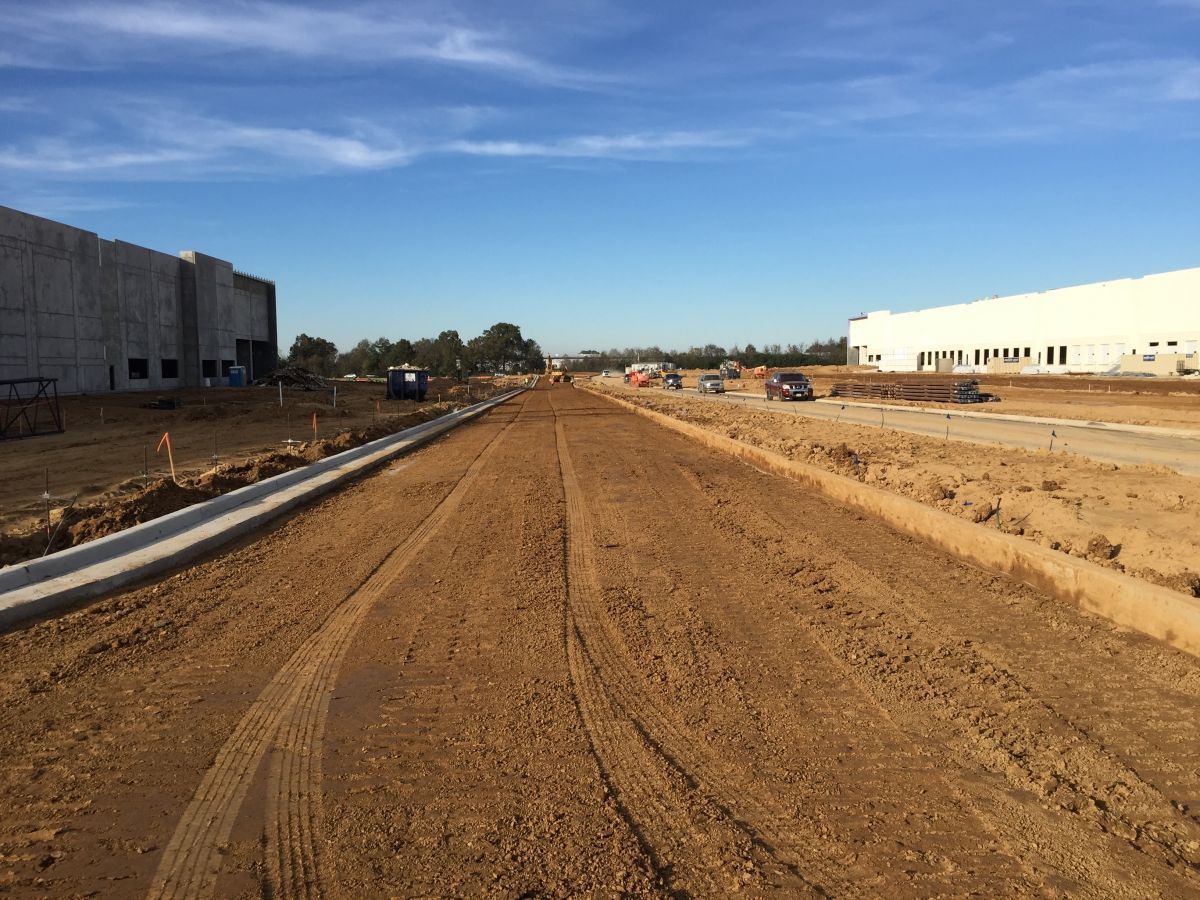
[1150,323]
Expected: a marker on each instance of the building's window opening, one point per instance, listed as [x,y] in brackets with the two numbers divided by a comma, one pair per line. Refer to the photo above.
[1062,355]
[1027,354]
[208,368]
[139,369]
[170,368]
[1154,343]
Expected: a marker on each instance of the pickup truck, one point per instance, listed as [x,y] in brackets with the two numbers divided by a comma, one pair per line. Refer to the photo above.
[789,386]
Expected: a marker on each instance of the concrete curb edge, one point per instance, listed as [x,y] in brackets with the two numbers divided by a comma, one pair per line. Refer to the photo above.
[132,555]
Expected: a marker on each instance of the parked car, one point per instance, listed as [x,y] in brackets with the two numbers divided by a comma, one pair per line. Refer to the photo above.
[626,378]
[710,383]
[789,386]
[604,374]
[673,381]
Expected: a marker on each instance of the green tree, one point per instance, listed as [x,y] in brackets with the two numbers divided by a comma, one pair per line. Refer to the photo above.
[402,353]
[446,354]
[535,359]
[356,360]
[313,353]
[500,349]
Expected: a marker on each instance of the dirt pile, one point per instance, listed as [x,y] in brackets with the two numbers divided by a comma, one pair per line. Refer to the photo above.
[137,500]
[294,377]
[1142,520]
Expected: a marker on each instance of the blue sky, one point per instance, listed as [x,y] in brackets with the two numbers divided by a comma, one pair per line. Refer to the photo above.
[615,174]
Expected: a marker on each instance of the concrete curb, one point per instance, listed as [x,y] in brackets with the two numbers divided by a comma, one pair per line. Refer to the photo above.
[1150,609]
[91,569]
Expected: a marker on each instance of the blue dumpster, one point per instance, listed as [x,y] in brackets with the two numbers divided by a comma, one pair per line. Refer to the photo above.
[407,384]
[237,376]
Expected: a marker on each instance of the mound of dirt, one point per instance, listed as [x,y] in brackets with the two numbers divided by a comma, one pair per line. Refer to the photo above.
[136,501]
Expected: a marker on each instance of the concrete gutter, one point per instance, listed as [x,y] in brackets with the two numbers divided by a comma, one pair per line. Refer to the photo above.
[1159,612]
[29,589]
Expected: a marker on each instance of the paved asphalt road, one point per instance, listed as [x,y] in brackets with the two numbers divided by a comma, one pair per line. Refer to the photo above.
[1092,440]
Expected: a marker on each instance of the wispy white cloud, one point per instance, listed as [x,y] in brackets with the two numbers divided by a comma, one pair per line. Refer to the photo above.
[1184,83]
[55,204]
[1062,101]
[162,143]
[72,33]
[769,79]
[59,157]
[15,103]
[595,146]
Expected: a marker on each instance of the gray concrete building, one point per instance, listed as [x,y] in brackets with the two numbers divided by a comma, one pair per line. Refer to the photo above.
[110,316]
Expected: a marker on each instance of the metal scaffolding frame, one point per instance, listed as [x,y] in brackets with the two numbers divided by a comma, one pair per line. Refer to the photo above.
[30,408]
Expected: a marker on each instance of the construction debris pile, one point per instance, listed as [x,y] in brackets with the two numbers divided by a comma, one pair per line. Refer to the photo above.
[294,377]
[920,391]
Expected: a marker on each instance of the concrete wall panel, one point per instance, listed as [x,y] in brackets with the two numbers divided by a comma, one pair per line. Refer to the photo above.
[12,349]
[51,326]
[54,288]
[12,288]
[73,305]
[56,348]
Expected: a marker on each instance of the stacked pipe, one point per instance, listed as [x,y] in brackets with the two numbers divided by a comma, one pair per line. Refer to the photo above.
[920,391]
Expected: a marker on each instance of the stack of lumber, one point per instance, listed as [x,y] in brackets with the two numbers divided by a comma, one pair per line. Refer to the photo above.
[918,391]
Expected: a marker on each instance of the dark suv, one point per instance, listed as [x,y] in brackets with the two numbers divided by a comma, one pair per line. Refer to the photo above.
[672,381]
[789,386]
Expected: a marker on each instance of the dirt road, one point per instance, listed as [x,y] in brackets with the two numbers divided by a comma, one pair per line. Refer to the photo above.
[1179,452]
[540,657]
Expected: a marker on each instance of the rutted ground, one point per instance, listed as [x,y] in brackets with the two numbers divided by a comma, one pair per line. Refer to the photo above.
[564,651]
[1142,520]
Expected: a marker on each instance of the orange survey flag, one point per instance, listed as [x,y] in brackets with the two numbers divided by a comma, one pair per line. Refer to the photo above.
[166,439]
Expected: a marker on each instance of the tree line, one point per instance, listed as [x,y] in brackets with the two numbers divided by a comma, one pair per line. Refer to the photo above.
[500,348]
[831,351]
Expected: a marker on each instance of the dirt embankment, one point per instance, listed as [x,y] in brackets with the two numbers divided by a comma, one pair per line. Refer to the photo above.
[1141,520]
[137,500]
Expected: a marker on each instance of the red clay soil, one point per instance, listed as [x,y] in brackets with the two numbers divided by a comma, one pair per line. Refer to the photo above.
[564,652]
[138,501]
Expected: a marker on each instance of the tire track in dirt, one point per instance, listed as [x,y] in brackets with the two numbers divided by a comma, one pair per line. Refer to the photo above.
[682,805]
[298,695]
[831,695]
[986,713]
